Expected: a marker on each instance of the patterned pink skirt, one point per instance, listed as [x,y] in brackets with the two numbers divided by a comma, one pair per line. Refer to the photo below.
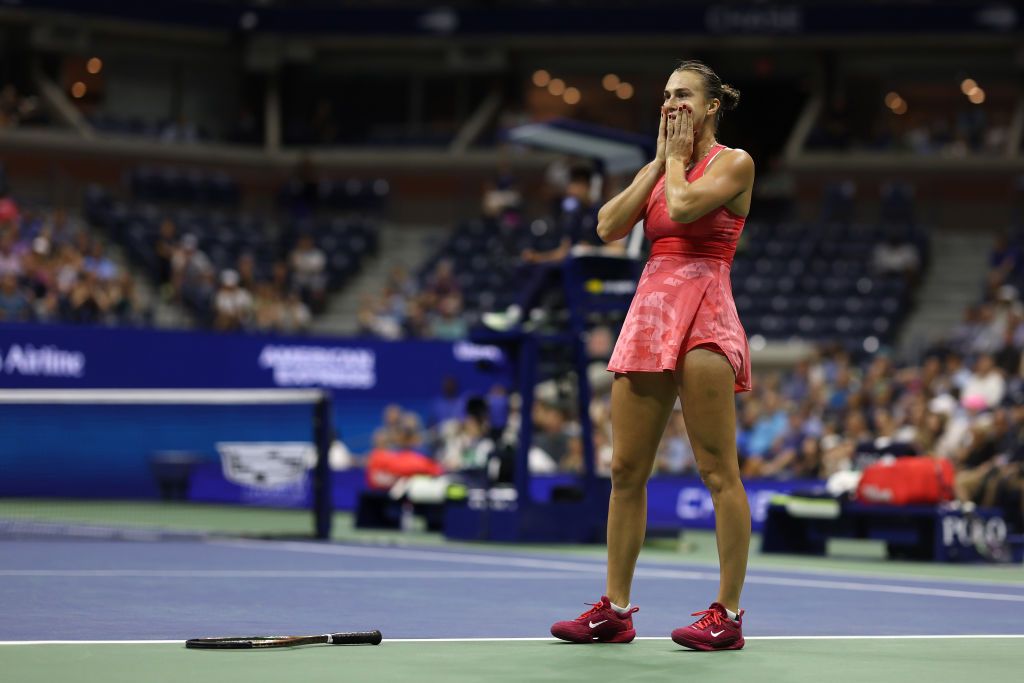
[682,303]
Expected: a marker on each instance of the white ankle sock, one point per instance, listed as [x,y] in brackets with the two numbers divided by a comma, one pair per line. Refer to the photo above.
[621,611]
[729,613]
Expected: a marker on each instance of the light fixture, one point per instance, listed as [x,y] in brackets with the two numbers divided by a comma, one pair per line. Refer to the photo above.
[541,78]
[94,65]
[610,82]
[624,91]
[572,96]
[556,87]
[78,90]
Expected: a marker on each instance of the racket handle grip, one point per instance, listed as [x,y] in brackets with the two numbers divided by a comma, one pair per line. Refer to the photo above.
[357,638]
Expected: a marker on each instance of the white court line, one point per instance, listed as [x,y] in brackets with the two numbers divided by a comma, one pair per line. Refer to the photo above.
[165,396]
[645,572]
[284,574]
[944,636]
[847,586]
[411,554]
[493,575]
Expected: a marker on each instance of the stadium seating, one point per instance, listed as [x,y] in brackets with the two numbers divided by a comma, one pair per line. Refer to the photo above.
[204,204]
[790,279]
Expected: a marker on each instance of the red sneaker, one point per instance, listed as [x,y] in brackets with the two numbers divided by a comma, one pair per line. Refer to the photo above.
[599,624]
[714,630]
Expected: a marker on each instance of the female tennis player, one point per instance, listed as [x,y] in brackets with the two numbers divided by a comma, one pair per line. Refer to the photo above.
[681,338]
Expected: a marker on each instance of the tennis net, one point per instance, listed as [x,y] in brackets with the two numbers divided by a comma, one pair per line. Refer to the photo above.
[128,462]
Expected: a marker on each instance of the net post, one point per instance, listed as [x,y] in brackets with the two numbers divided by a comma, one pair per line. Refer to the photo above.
[323,506]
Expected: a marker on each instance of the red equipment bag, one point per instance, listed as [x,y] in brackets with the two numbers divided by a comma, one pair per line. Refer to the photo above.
[919,480]
[384,467]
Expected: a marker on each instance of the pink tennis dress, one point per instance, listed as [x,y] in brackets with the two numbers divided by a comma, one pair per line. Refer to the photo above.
[684,298]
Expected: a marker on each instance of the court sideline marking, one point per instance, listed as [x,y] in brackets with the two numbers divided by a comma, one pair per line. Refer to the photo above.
[285,574]
[494,575]
[944,636]
[643,572]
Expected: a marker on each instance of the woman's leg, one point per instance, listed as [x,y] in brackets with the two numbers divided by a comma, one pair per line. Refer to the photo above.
[705,380]
[641,405]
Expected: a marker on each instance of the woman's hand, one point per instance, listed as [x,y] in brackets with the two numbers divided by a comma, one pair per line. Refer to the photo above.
[660,155]
[679,134]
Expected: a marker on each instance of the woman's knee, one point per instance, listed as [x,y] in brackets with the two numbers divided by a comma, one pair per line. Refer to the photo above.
[629,474]
[716,475]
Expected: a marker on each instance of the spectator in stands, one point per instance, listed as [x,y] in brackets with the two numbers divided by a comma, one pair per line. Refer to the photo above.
[376,321]
[309,265]
[450,406]
[502,201]
[14,303]
[467,443]
[987,438]
[800,460]
[1006,257]
[190,269]
[675,454]
[416,324]
[987,334]
[232,305]
[98,263]
[245,265]
[295,315]
[928,433]
[267,307]
[400,283]
[447,322]
[986,383]
[125,306]
[1009,358]
[442,283]
[956,371]
[797,385]
[839,449]
[963,334]
[9,211]
[410,433]
[87,302]
[16,110]
[166,245]
[552,432]
[388,435]
[10,258]
[896,256]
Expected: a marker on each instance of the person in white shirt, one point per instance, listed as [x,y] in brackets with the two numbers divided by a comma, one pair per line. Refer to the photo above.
[233,305]
[986,382]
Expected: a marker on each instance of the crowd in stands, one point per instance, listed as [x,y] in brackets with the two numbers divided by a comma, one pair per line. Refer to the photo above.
[17,108]
[234,270]
[54,269]
[242,296]
[832,412]
[406,309]
[957,131]
[500,259]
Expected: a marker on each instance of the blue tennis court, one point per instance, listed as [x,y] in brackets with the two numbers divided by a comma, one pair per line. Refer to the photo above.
[110,602]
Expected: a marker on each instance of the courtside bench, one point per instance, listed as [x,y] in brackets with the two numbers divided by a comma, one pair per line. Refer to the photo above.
[940,533]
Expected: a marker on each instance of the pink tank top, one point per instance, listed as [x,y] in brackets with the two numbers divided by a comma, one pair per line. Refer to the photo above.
[713,235]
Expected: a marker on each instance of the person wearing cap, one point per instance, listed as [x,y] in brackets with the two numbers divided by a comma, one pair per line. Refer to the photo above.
[233,305]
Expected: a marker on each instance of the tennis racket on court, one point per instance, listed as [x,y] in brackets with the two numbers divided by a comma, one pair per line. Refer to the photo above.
[260,642]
